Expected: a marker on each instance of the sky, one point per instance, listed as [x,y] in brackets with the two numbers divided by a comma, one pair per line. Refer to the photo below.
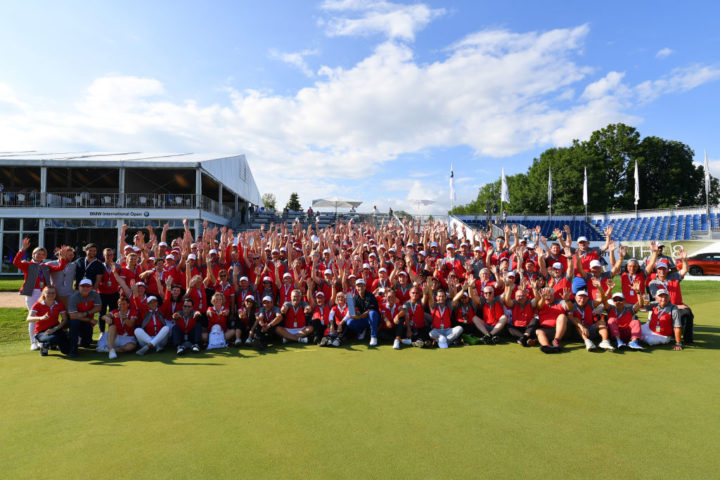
[367,100]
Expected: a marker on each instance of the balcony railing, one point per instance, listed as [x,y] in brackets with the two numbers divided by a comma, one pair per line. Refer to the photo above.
[112,200]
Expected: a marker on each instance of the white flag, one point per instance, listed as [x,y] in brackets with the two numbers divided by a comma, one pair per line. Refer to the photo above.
[452,187]
[637,184]
[585,192]
[504,194]
[549,187]
[707,177]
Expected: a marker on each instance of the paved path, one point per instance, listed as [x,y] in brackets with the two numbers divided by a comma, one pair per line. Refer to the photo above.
[11,299]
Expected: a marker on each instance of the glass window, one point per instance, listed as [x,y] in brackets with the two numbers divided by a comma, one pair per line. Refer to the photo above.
[12,224]
[10,247]
[30,224]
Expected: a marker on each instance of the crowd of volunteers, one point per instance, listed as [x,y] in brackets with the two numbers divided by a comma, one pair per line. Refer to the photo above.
[401,283]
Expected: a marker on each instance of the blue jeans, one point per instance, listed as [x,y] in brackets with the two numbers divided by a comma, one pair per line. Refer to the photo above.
[82,330]
[360,324]
[180,338]
[58,338]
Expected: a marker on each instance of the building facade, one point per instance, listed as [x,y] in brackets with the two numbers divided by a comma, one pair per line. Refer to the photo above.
[73,198]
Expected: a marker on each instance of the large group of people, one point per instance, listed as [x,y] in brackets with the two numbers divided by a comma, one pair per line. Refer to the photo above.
[402,283]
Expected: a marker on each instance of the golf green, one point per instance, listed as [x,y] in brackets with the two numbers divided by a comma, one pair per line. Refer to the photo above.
[360,412]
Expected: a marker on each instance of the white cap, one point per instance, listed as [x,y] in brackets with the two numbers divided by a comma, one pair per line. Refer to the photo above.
[267,298]
[283,249]
[582,239]
[381,246]
[151,259]
[464,245]
[267,279]
[169,257]
[327,272]
[403,272]
[286,275]
[352,275]
[660,244]
[618,295]
[531,245]
[244,279]
[392,249]
[581,292]
[319,293]
[661,291]
[140,284]
[511,273]
[423,253]
[557,265]
[162,244]
[372,255]
[433,244]
[366,265]
[213,251]
[477,248]
[250,297]
[85,281]
[595,263]
[136,249]
[275,250]
[382,269]
[151,298]
[192,256]
[449,246]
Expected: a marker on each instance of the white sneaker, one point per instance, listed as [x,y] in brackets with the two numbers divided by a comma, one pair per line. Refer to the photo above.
[112,355]
[606,345]
[238,342]
[143,350]
[159,349]
[396,344]
[406,341]
[361,335]
[373,341]
[102,349]
[336,342]
[248,341]
[285,340]
[303,339]
[442,341]
[34,346]
[589,345]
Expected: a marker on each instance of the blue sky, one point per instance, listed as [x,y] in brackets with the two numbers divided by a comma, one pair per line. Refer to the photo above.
[371,100]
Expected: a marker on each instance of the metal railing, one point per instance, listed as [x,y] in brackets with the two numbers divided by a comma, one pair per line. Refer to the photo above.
[112,200]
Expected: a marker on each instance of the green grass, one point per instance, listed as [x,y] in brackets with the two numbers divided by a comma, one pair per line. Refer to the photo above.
[355,412]
[10,284]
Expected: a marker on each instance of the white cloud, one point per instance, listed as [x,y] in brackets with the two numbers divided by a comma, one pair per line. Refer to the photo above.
[679,80]
[296,59]
[494,91]
[664,53]
[396,21]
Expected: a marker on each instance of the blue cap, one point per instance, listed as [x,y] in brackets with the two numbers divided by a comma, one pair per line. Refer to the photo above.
[578,284]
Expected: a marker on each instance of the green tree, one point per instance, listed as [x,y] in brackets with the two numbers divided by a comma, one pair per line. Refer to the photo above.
[268,200]
[294,202]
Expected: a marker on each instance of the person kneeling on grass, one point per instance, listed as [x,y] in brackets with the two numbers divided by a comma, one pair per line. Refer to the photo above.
[493,316]
[367,313]
[217,316]
[265,320]
[82,307]
[48,330]
[392,316]
[585,315]
[553,319]
[623,322]
[121,328]
[523,321]
[153,333]
[339,315]
[465,315]
[665,323]
[441,313]
[187,331]
[291,325]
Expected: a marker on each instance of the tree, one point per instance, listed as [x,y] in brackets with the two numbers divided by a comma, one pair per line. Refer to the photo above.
[294,202]
[268,200]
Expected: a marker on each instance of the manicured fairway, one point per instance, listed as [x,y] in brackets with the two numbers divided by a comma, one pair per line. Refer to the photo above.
[357,412]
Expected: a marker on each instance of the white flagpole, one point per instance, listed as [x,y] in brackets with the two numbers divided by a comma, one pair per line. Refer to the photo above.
[452,187]
[550,192]
[637,188]
[707,186]
[585,193]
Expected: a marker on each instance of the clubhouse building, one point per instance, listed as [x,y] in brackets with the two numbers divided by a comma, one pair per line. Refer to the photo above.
[74,198]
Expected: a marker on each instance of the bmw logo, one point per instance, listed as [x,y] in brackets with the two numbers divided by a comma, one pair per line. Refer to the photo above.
[146,214]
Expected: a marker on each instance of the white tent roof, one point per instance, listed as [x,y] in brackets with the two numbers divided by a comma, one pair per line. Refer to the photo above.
[232,171]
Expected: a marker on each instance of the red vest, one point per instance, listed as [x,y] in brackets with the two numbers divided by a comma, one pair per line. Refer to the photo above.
[492,313]
[441,317]
[416,313]
[661,322]
[295,318]
[522,316]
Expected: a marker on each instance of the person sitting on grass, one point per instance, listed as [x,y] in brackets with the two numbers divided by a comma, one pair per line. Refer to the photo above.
[49,318]
[217,323]
[523,319]
[585,315]
[392,325]
[416,319]
[320,320]
[493,316]
[552,317]
[187,331]
[664,323]
[153,333]
[670,282]
[121,328]
[443,332]
[246,318]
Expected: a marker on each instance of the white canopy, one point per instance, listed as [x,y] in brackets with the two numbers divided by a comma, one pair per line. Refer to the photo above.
[335,202]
